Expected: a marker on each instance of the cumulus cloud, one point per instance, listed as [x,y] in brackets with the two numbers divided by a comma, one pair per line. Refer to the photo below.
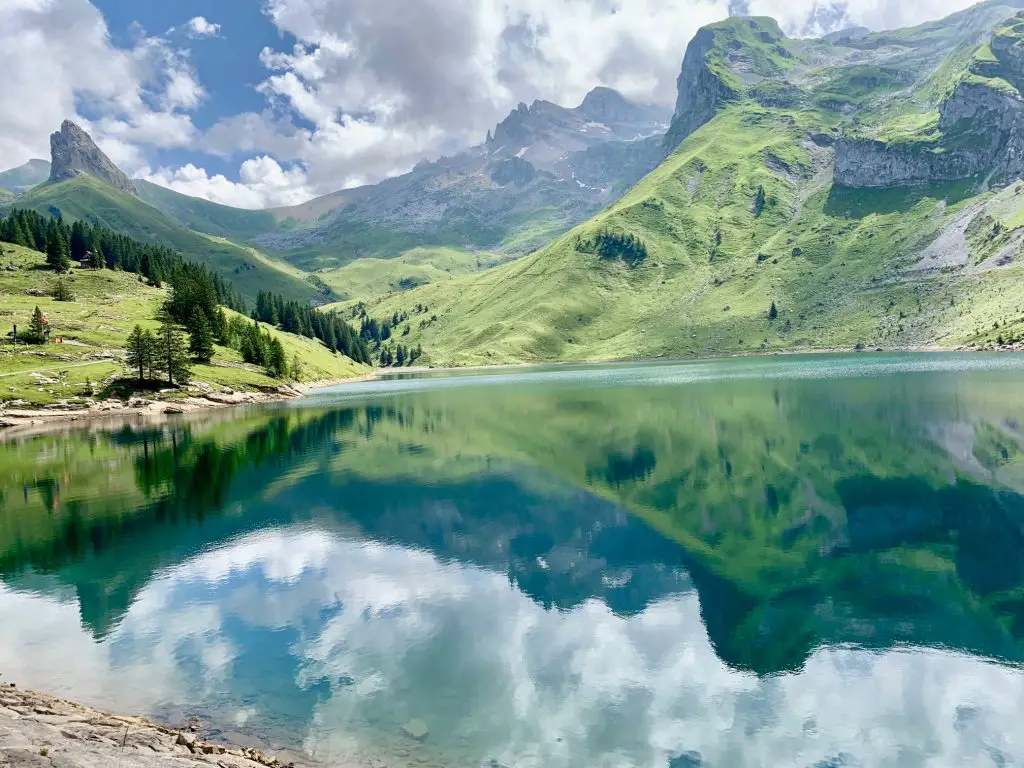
[384,86]
[58,62]
[262,183]
[200,27]
[368,88]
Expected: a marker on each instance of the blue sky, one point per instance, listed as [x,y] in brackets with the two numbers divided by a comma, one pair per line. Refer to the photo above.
[228,64]
[260,103]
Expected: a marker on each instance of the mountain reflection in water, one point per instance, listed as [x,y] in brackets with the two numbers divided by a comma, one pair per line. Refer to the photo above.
[623,566]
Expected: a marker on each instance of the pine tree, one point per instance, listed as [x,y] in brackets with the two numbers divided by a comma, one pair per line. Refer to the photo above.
[79,241]
[220,328]
[277,360]
[38,326]
[400,356]
[200,337]
[96,259]
[61,291]
[773,312]
[172,352]
[56,253]
[138,353]
[296,372]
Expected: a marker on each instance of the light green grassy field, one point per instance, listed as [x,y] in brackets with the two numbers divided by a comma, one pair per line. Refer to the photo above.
[370,278]
[94,326]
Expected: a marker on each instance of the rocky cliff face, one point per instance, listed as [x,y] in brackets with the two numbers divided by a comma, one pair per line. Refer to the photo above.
[700,90]
[981,133]
[73,153]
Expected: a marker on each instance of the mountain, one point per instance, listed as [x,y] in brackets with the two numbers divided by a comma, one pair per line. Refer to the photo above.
[74,153]
[237,224]
[543,169]
[24,177]
[861,192]
[85,184]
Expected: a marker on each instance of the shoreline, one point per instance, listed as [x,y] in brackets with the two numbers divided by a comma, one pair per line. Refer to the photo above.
[37,729]
[24,421]
[20,421]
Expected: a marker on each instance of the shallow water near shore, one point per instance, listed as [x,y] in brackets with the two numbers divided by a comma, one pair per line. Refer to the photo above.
[807,561]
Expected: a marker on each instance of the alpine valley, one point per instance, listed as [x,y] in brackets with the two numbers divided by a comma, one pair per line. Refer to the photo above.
[860,190]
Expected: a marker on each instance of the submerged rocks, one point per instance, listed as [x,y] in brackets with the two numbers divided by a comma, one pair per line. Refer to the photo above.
[416,729]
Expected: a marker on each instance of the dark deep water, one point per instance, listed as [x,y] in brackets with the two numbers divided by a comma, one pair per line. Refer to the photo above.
[781,562]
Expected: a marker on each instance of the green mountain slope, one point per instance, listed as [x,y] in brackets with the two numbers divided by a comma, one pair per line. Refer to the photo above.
[203,216]
[894,224]
[24,177]
[85,197]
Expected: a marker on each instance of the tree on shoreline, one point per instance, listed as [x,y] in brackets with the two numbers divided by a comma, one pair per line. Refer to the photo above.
[140,351]
[172,352]
[200,337]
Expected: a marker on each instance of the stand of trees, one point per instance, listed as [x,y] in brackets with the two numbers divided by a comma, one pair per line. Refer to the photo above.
[194,302]
[614,245]
[98,248]
[304,320]
[161,353]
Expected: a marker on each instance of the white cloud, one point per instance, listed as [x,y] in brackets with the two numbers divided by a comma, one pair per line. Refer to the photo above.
[200,27]
[370,88]
[263,183]
[56,57]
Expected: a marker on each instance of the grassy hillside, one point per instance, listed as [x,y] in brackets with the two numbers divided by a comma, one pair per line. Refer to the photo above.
[203,216]
[85,197]
[742,215]
[94,327]
[369,279]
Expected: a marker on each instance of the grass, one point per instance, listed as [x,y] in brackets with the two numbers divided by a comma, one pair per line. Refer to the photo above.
[369,279]
[85,197]
[94,326]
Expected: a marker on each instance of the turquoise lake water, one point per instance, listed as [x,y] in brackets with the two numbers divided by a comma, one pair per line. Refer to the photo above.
[807,561]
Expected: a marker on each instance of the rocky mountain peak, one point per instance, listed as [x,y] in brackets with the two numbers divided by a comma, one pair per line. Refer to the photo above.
[607,104]
[73,152]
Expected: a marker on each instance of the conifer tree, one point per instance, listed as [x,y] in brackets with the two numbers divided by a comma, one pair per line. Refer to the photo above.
[200,337]
[56,253]
[277,361]
[97,260]
[773,312]
[61,291]
[38,326]
[172,352]
[138,353]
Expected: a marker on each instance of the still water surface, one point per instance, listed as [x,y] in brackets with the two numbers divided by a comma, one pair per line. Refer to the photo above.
[781,562]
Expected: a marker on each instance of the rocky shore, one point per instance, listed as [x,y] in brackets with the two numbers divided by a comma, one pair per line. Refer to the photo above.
[42,731]
[17,418]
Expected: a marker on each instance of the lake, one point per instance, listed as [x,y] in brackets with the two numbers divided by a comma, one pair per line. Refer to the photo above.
[806,561]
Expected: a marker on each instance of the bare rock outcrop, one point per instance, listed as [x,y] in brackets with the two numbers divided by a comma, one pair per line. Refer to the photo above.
[73,153]
[37,730]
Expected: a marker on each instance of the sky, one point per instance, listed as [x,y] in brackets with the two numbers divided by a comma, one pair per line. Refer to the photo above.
[262,103]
